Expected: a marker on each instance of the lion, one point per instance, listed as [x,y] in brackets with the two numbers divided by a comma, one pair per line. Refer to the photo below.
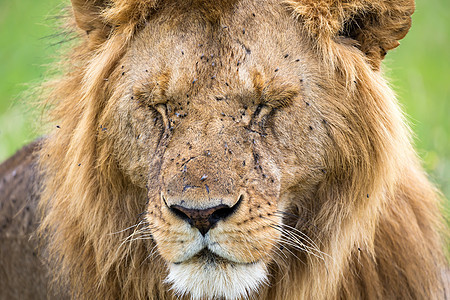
[228,149]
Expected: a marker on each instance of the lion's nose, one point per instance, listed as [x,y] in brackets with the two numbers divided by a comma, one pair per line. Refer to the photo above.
[204,219]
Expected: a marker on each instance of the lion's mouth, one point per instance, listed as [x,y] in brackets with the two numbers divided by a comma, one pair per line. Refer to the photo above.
[208,257]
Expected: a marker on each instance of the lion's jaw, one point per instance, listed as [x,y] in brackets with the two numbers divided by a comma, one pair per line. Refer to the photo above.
[216,278]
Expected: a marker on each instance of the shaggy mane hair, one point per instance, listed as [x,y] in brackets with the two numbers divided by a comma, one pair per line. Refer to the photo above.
[87,201]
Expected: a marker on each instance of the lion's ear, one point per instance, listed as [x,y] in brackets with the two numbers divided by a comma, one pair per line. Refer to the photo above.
[102,15]
[376,26]
[87,14]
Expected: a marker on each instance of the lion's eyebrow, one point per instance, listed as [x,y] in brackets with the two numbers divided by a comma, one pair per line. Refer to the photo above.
[152,91]
[279,95]
[274,92]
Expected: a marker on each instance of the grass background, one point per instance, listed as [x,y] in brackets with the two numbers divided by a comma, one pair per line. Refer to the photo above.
[419,71]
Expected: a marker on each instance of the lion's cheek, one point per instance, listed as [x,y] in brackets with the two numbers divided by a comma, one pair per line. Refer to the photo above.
[244,244]
[175,240]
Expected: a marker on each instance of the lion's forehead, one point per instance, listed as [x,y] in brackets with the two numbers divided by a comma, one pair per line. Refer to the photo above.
[198,57]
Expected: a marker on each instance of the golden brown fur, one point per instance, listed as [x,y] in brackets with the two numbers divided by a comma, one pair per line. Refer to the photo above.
[278,103]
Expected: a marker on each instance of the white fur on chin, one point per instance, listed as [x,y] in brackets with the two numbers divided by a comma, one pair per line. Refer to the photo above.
[216,280]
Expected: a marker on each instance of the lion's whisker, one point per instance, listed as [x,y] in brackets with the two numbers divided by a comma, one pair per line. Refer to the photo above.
[293,236]
[299,240]
[304,235]
[120,231]
[295,242]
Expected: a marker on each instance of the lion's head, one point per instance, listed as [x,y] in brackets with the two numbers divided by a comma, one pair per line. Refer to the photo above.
[211,146]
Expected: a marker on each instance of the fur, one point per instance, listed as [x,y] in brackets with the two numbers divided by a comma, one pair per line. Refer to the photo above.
[230,282]
[335,204]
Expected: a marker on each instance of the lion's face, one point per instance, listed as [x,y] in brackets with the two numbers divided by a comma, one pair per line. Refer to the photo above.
[222,127]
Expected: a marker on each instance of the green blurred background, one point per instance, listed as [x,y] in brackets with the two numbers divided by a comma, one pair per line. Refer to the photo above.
[419,71]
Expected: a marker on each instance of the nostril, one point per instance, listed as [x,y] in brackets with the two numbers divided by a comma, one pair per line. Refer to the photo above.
[221,214]
[225,212]
[179,213]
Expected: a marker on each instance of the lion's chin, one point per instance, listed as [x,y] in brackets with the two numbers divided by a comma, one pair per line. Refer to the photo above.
[209,277]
